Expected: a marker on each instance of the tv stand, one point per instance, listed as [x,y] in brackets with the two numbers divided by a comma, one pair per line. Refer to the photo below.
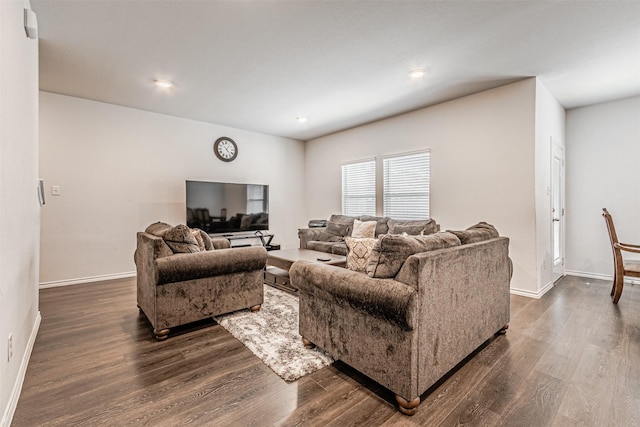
[265,240]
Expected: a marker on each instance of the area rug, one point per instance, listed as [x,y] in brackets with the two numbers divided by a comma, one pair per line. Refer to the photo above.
[272,335]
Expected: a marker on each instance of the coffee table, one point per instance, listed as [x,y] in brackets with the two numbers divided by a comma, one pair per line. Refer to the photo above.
[279,262]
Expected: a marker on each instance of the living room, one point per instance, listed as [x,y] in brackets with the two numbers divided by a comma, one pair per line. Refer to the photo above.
[120,169]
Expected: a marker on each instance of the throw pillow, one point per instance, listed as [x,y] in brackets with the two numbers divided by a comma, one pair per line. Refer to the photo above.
[180,239]
[392,250]
[342,219]
[335,232]
[364,228]
[413,228]
[199,240]
[476,233]
[358,253]
[206,240]
[157,228]
[382,226]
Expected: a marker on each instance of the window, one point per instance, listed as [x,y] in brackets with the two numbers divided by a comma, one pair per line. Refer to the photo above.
[406,186]
[359,188]
[256,198]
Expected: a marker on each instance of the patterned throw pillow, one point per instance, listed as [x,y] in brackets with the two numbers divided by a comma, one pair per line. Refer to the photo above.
[358,253]
[364,228]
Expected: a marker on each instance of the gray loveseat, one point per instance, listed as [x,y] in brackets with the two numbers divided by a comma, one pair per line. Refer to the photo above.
[330,239]
[433,300]
[184,276]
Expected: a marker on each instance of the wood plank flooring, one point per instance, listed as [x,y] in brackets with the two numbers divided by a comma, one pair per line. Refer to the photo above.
[570,358]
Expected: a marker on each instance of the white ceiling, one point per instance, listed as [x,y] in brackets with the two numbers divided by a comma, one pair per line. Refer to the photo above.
[257,65]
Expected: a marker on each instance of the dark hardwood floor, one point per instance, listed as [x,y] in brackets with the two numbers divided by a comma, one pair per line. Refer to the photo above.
[570,358]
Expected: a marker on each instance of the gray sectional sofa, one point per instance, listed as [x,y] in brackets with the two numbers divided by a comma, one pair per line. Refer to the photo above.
[418,307]
[330,239]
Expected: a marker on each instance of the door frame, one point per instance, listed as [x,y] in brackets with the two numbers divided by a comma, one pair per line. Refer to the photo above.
[557,180]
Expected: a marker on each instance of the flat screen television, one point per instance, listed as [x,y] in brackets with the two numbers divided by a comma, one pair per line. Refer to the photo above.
[222,207]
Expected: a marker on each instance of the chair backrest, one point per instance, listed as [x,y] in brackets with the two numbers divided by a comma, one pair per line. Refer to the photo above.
[613,238]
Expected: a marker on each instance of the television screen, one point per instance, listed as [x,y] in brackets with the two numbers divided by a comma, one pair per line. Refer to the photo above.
[220,207]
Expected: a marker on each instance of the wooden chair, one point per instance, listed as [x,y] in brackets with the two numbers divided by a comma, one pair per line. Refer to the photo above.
[621,268]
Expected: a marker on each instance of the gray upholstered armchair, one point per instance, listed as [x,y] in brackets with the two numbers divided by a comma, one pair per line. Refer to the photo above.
[179,288]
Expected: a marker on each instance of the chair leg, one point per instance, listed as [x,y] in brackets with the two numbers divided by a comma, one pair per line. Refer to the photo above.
[617,285]
[613,287]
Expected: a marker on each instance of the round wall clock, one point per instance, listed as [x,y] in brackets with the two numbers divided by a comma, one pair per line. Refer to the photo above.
[226,149]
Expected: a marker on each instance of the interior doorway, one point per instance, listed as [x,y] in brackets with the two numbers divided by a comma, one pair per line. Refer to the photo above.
[557,210]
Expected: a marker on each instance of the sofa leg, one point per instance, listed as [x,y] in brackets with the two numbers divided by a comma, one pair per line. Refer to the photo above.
[307,343]
[256,308]
[406,407]
[503,330]
[161,334]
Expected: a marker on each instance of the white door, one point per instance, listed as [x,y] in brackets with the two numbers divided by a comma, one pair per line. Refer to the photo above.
[557,210]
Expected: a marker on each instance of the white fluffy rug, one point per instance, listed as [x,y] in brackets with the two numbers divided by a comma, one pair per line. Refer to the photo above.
[272,335]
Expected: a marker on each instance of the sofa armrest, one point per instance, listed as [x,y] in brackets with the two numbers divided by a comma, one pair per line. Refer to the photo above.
[387,299]
[309,234]
[181,267]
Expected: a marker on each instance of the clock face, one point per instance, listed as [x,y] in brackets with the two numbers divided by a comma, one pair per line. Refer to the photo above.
[225,149]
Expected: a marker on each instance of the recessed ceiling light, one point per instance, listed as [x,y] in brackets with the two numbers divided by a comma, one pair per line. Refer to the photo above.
[301,119]
[164,84]
[417,73]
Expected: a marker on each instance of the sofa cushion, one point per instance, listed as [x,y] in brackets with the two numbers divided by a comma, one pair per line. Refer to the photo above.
[359,250]
[413,228]
[180,239]
[335,232]
[381,227]
[476,233]
[318,245]
[391,251]
[339,248]
[364,229]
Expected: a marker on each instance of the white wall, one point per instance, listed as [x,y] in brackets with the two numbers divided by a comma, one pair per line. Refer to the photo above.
[550,126]
[19,208]
[603,171]
[121,169]
[482,165]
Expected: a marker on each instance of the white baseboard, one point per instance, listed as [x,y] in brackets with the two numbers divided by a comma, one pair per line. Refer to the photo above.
[530,294]
[104,277]
[7,417]
[598,276]
[589,275]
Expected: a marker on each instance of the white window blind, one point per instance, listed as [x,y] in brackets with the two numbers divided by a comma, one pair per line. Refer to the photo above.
[359,188]
[406,186]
